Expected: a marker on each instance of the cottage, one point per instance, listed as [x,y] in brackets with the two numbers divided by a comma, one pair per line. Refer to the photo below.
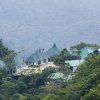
[40,57]
[54,78]
[74,64]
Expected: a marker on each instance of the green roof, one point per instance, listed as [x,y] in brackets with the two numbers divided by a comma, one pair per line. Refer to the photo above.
[52,51]
[74,62]
[37,56]
[86,51]
[57,75]
[40,55]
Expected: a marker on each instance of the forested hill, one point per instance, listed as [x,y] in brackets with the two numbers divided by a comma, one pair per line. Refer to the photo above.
[85,84]
[7,56]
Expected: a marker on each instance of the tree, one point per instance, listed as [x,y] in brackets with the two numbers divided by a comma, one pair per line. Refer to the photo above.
[94,94]
[41,79]
[10,66]
[66,70]
[61,58]
[82,45]
[50,97]
[2,97]
[18,96]
[64,55]
[8,57]
[85,82]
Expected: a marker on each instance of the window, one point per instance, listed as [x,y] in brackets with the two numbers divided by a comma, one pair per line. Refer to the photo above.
[49,59]
[39,62]
[71,68]
[44,61]
[29,63]
[26,62]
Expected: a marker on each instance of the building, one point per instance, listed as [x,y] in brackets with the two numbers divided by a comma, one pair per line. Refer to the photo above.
[2,64]
[74,64]
[84,53]
[40,57]
[54,78]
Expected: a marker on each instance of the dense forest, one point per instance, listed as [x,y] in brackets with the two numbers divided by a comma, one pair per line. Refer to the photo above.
[85,84]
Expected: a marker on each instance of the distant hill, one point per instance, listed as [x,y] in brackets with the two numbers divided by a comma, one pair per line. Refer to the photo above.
[39,23]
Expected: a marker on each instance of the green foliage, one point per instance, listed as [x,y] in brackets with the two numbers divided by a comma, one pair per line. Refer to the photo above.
[82,45]
[93,94]
[3,50]
[60,59]
[10,63]
[85,84]
[47,89]
[2,97]
[8,57]
[65,69]
[41,79]
[19,97]
[50,97]
[85,80]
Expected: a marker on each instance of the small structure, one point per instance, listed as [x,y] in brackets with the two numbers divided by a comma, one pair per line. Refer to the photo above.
[54,77]
[74,64]
[2,64]
[40,57]
[57,78]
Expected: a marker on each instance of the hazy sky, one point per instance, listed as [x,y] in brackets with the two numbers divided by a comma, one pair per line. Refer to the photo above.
[32,24]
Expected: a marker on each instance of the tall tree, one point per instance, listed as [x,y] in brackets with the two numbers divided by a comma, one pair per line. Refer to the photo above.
[8,57]
[61,58]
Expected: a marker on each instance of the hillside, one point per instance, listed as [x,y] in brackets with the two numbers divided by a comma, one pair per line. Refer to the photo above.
[85,84]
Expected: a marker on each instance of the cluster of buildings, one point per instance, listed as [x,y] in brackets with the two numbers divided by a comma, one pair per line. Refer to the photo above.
[83,54]
[43,58]
[55,78]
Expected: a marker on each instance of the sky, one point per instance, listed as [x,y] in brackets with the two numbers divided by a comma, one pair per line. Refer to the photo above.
[33,24]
